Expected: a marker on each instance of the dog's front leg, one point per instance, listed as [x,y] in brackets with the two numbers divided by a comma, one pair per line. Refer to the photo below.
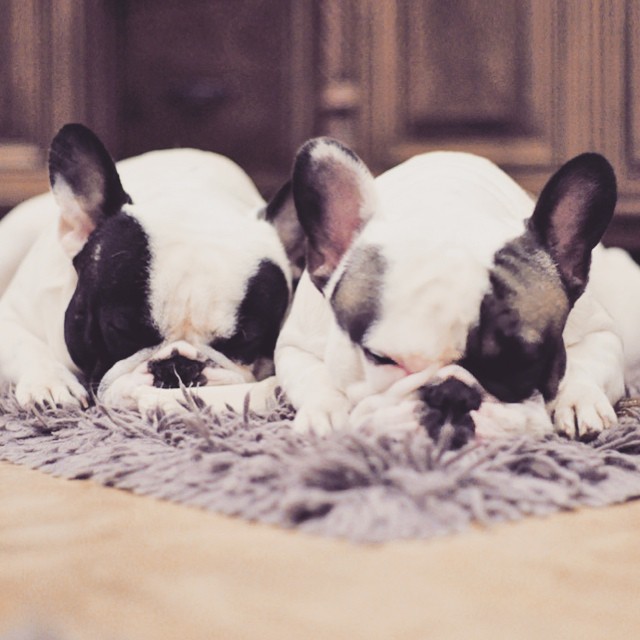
[321,406]
[301,367]
[594,376]
[260,396]
[37,373]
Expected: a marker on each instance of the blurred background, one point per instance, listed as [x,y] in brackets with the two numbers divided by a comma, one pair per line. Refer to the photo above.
[528,83]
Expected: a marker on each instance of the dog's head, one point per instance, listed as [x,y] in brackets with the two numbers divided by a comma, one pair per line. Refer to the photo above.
[186,261]
[414,291]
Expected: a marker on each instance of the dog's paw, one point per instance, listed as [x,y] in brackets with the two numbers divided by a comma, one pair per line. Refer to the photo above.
[382,413]
[52,386]
[495,419]
[323,414]
[581,409]
[148,398]
[123,391]
[260,397]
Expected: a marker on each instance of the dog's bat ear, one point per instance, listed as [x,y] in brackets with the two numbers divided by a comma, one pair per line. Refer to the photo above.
[334,195]
[281,213]
[84,182]
[572,214]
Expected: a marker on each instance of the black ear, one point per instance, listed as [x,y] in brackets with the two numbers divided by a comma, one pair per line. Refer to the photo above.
[334,195]
[84,182]
[572,213]
[281,213]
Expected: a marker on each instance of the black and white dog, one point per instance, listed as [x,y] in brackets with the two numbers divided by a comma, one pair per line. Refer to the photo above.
[440,286]
[170,276]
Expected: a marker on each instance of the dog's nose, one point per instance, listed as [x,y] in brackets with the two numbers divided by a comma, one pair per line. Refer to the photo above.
[170,372]
[449,402]
[451,397]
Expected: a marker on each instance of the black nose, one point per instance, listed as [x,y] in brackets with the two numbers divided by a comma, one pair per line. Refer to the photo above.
[171,372]
[449,402]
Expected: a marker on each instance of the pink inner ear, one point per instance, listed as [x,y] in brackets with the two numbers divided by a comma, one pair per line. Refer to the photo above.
[571,241]
[344,215]
[75,223]
[74,228]
[335,196]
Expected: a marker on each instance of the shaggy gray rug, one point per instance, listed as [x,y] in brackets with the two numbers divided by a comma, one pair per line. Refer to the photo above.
[361,487]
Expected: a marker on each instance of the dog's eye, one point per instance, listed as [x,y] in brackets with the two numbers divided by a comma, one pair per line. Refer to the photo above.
[378,358]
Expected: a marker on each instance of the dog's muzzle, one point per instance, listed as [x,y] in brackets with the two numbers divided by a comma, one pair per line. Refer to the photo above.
[171,366]
[180,363]
[177,370]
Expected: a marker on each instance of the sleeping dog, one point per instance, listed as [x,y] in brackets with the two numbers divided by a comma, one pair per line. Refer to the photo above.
[171,276]
[442,286]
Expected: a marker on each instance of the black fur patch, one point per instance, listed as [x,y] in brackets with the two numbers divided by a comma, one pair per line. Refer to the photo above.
[308,197]
[259,316]
[80,158]
[449,403]
[517,346]
[169,373]
[108,317]
[280,200]
[281,213]
[356,296]
[572,213]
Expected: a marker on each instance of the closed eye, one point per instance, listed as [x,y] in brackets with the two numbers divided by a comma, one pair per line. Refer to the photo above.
[379,359]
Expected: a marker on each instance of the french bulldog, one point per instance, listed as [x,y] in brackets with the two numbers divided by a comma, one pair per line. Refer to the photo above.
[181,280]
[442,269]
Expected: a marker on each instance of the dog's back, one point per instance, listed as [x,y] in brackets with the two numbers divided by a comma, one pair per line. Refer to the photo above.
[190,172]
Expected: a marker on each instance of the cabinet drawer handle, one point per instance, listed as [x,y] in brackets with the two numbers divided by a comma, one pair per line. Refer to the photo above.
[198,95]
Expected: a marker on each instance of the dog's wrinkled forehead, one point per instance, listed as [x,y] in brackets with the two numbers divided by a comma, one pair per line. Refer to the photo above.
[415,307]
[199,270]
[424,308]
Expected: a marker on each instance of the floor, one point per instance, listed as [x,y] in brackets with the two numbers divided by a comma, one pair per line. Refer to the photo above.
[89,562]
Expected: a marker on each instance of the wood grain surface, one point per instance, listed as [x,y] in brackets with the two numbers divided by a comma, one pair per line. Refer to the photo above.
[92,562]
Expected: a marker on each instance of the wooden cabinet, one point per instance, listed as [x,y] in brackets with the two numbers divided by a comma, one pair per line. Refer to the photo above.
[234,77]
[527,83]
[56,66]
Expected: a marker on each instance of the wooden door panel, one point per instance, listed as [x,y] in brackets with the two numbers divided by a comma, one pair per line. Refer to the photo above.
[46,48]
[629,97]
[462,64]
[466,75]
[614,118]
[219,75]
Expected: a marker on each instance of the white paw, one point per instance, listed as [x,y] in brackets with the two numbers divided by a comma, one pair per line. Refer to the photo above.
[324,414]
[581,408]
[384,414]
[149,398]
[52,385]
[496,419]
[120,391]
[260,397]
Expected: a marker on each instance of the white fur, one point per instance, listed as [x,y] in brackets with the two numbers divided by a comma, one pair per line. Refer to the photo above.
[200,211]
[457,209]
